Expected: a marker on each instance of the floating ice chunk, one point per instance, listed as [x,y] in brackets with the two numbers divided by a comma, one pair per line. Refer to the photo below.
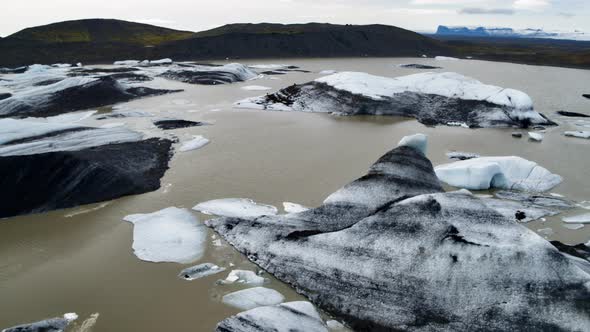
[579,134]
[253,297]
[417,141]
[161,62]
[536,136]
[328,72]
[169,235]
[294,207]
[458,124]
[286,317]
[573,227]
[57,324]
[71,316]
[244,277]
[458,155]
[256,88]
[578,219]
[211,75]
[61,65]
[196,143]
[445,58]
[200,271]
[235,207]
[498,172]
[126,63]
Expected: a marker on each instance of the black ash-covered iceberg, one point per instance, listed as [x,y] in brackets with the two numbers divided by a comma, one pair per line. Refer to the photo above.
[210,74]
[48,166]
[57,324]
[432,98]
[44,91]
[285,317]
[392,251]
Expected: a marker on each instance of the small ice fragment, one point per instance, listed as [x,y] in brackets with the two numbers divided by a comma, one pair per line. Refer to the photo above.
[244,277]
[445,58]
[235,207]
[536,136]
[256,88]
[458,155]
[578,219]
[253,297]
[196,143]
[573,226]
[578,134]
[200,271]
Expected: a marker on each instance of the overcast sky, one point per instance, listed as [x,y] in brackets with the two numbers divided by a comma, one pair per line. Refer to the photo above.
[196,15]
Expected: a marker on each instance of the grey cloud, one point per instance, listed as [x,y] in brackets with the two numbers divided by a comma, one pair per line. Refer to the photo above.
[485,11]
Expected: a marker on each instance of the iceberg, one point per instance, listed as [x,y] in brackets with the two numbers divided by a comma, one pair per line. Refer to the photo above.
[578,134]
[169,235]
[57,324]
[210,74]
[235,207]
[244,277]
[200,271]
[578,219]
[513,173]
[432,98]
[394,232]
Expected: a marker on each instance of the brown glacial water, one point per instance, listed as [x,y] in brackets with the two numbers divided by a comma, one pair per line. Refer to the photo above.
[80,260]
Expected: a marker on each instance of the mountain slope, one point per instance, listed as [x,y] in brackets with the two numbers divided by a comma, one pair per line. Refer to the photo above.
[309,40]
[104,41]
[100,31]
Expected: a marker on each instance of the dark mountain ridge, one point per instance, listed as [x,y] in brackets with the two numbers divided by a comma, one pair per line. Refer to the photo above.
[95,41]
[104,41]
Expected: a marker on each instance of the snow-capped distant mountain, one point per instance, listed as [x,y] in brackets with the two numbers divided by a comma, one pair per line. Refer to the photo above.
[509,32]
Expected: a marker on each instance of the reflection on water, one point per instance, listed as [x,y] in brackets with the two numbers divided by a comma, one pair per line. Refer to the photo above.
[81,260]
